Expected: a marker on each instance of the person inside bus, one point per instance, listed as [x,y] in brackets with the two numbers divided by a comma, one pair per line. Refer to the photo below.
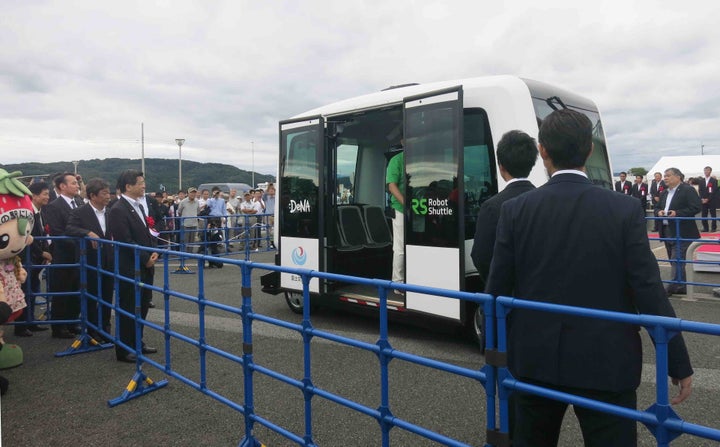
[395,179]
[541,254]
[516,155]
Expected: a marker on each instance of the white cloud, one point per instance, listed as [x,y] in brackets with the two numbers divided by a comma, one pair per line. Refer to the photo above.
[78,78]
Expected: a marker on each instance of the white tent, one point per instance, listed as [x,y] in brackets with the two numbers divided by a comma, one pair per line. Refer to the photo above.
[690,165]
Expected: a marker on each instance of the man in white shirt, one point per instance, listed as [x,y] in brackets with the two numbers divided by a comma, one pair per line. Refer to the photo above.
[187,211]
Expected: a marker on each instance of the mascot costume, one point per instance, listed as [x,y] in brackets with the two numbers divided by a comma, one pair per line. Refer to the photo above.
[16,222]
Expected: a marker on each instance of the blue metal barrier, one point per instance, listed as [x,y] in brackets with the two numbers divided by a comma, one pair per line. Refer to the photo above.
[496,380]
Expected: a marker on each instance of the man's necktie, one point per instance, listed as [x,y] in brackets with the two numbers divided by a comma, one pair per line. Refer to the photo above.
[142,211]
[73,205]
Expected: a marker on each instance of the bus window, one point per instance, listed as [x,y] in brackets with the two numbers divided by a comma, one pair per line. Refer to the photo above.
[431,163]
[598,165]
[479,159]
[347,155]
[299,183]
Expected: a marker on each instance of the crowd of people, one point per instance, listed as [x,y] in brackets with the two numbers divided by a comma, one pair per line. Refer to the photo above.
[67,206]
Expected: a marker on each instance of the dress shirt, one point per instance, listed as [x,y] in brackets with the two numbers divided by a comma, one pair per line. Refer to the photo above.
[136,206]
[100,214]
[670,195]
[568,171]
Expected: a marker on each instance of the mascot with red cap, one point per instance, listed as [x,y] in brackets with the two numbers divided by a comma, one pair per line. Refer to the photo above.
[16,222]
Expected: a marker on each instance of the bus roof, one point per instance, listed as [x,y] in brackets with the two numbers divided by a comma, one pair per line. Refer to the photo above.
[395,96]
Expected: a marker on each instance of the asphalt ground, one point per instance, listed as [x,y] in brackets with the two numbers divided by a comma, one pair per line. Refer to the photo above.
[64,401]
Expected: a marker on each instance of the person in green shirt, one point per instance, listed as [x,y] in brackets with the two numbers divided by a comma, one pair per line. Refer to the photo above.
[395,179]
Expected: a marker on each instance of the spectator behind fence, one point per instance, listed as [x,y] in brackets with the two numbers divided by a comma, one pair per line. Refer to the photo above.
[127,223]
[39,255]
[656,188]
[63,251]
[570,242]
[248,207]
[270,209]
[709,195]
[678,200]
[188,211]
[90,220]
[639,191]
[516,155]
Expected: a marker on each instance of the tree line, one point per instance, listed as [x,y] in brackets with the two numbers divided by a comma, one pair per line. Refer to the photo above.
[159,172]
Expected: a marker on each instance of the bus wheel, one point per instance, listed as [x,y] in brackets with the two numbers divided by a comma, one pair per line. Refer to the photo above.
[479,328]
[294,301]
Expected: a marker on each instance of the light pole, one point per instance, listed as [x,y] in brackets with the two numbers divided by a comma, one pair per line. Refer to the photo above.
[180,142]
[75,163]
[252,144]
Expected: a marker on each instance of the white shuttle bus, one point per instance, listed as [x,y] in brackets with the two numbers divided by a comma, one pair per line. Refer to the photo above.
[333,196]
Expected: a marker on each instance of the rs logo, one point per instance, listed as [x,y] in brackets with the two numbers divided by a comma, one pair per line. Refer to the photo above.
[419,206]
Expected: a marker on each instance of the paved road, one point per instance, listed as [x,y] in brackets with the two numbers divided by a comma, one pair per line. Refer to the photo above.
[63,401]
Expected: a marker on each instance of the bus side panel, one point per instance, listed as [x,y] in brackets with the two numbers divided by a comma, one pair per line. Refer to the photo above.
[422,268]
[299,253]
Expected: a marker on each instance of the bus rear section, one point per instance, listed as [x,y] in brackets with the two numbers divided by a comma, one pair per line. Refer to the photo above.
[334,213]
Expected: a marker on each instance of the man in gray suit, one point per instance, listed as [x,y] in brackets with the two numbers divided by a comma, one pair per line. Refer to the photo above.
[678,200]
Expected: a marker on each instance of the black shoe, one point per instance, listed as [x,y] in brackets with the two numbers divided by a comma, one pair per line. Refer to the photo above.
[130,358]
[151,305]
[680,291]
[36,328]
[74,329]
[62,333]
[148,350]
[21,331]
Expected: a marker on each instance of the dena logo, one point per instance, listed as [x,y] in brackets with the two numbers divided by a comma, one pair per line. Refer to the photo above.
[301,206]
[298,256]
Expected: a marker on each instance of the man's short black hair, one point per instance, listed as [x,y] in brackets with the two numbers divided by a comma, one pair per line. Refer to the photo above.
[62,178]
[94,186]
[517,153]
[128,177]
[566,135]
[623,173]
[38,188]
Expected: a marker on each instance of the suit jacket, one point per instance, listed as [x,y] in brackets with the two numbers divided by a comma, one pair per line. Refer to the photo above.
[685,203]
[623,187]
[657,187]
[570,242]
[38,246]
[56,215]
[83,221]
[125,225]
[709,190]
[487,220]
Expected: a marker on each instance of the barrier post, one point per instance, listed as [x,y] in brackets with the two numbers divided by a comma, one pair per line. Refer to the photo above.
[84,342]
[503,373]
[140,384]
[247,359]
[386,415]
[182,268]
[661,408]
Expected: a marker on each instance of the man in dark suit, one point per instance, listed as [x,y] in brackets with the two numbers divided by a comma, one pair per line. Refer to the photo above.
[39,255]
[708,196]
[127,223]
[623,186]
[678,200]
[64,251]
[571,242]
[516,155]
[639,191]
[657,186]
[90,220]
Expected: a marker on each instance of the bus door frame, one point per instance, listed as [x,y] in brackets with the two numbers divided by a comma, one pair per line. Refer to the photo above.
[436,266]
[299,252]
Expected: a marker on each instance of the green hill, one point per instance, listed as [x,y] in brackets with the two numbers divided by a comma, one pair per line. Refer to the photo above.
[158,171]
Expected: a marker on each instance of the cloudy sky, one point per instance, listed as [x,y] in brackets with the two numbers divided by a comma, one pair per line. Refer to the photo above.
[77,78]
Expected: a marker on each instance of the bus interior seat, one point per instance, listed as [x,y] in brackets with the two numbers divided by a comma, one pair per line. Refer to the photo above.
[377,227]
